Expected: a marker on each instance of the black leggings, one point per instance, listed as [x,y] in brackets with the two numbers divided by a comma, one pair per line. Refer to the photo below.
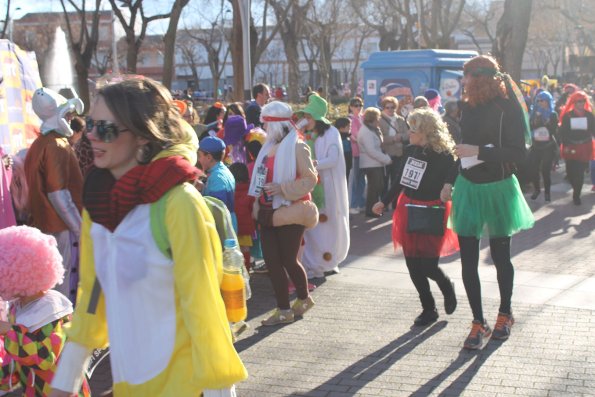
[500,252]
[422,269]
[576,175]
[541,160]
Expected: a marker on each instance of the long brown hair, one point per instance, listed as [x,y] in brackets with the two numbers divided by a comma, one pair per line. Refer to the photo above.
[483,81]
[145,107]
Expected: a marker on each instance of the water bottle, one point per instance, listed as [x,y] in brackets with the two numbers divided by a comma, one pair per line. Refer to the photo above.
[233,287]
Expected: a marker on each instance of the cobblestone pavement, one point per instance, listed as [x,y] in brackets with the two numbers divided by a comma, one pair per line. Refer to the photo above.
[359,341]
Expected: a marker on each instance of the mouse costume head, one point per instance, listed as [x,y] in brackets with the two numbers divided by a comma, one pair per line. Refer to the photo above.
[53,109]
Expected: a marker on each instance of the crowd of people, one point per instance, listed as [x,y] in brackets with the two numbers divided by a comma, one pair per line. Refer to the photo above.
[88,190]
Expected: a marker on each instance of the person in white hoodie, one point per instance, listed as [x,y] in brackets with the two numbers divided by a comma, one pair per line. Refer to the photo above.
[372,158]
[326,245]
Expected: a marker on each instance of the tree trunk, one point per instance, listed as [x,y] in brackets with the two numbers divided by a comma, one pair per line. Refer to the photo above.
[511,36]
[131,55]
[169,42]
[293,66]
[82,74]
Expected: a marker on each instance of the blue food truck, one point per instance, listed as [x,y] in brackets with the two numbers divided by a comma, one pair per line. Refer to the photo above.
[411,72]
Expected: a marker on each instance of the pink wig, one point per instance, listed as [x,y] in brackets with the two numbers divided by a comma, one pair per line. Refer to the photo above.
[30,262]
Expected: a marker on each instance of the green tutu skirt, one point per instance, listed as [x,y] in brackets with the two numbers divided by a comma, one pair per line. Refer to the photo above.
[498,207]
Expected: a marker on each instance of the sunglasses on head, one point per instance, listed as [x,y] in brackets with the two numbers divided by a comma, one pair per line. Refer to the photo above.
[105,131]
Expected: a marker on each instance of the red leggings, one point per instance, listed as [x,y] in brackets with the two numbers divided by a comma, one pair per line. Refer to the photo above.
[280,246]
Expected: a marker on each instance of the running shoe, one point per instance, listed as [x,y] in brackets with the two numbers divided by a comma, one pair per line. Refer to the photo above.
[503,325]
[278,316]
[479,332]
[301,306]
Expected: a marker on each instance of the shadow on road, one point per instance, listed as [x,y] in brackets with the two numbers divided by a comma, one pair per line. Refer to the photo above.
[373,365]
[458,385]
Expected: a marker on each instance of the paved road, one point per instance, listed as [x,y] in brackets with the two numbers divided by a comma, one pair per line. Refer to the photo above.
[359,341]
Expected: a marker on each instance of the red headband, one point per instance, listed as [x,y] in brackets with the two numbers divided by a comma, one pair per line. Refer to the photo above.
[272,118]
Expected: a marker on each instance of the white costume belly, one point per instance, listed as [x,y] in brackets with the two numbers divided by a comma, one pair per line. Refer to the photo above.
[137,282]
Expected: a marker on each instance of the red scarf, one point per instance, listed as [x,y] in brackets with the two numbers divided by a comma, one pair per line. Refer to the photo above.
[109,200]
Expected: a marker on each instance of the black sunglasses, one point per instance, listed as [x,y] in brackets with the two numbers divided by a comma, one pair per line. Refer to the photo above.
[106,131]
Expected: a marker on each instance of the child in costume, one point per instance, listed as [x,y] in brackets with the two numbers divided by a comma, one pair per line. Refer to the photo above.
[243,208]
[33,338]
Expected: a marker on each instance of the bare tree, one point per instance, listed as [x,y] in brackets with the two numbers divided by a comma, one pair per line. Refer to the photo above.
[393,20]
[326,28]
[310,53]
[260,38]
[439,19]
[169,41]
[291,30]
[480,19]
[102,62]
[134,42]
[511,33]
[83,44]
[214,41]
[363,33]
[190,55]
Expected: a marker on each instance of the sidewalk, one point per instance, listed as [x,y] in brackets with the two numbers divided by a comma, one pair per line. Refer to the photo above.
[359,341]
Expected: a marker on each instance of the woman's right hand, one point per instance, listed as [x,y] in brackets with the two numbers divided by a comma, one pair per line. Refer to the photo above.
[378,208]
[446,193]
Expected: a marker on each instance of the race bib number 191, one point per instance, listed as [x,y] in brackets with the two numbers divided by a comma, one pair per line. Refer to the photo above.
[413,172]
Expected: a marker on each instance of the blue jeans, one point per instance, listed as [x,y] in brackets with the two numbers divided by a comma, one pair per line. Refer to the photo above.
[358,185]
[593,172]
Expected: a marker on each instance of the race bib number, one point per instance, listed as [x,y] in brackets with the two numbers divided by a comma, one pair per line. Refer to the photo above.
[413,172]
[541,134]
[261,178]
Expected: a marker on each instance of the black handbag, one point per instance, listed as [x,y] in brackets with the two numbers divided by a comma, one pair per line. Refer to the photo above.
[425,219]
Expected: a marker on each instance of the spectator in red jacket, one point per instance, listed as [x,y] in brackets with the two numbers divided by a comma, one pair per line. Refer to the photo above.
[243,209]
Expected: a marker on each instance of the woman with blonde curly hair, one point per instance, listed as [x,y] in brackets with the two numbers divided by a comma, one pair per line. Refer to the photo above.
[428,170]
[487,196]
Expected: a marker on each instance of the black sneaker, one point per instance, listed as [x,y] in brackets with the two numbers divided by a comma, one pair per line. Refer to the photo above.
[450,299]
[426,317]
[479,332]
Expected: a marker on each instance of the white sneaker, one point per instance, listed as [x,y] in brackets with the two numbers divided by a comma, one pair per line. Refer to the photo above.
[354,211]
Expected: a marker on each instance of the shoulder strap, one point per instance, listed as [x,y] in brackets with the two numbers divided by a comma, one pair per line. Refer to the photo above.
[388,121]
[158,225]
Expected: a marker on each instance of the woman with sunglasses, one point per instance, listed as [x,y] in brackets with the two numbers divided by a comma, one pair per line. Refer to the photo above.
[577,130]
[544,126]
[358,178]
[129,287]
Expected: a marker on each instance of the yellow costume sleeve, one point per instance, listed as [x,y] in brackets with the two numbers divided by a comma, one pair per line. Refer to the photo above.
[88,329]
[196,252]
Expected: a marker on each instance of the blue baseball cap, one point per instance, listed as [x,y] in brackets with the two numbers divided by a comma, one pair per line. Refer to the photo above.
[212,144]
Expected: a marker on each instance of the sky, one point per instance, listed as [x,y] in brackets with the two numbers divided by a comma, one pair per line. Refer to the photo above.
[19,8]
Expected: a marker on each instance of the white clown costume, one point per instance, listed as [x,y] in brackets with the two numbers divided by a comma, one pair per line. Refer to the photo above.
[327,244]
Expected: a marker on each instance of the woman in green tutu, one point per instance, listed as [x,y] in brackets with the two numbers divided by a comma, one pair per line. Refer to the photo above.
[486,195]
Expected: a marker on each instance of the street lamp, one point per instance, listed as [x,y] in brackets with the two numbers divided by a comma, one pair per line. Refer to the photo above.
[245,18]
